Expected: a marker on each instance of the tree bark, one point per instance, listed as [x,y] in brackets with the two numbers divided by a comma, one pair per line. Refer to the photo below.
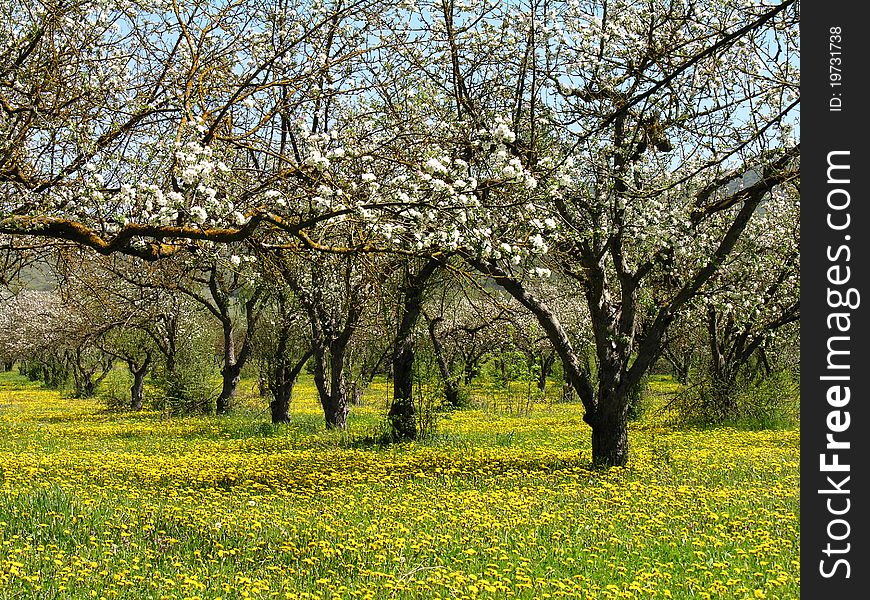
[282,388]
[610,432]
[230,376]
[546,361]
[332,392]
[469,371]
[451,386]
[220,305]
[329,341]
[279,407]
[233,363]
[338,405]
[230,372]
[354,393]
[86,378]
[402,417]
[681,368]
[137,390]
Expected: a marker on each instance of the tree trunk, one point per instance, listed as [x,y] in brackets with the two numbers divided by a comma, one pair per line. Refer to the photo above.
[230,375]
[55,371]
[546,368]
[280,404]
[137,390]
[263,384]
[451,393]
[469,371]
[172,362]
[320,371]
[723,370]
[402,417]
[681,371]
[723,400]
[282,387]
[86,378]
[354,393]
[8,364]
[138,371]
[282,391]
[451,386]
[333,393]
[336,415]
[609,419]
[87,390]
[610,433]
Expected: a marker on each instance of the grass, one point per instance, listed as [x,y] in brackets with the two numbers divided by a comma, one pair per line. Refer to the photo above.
[96,504]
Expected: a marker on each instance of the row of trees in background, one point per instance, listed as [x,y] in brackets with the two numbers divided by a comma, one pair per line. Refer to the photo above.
[172,316]
[302,159]
[191,319]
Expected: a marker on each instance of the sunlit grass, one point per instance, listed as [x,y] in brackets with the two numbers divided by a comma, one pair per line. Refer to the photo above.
[495,505]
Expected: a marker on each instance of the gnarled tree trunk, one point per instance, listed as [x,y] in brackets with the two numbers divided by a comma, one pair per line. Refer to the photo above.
[230,372]
[284,379]
[546,364]
[137,390]
[402,417]
[331,386]
[609,434]
[88,376]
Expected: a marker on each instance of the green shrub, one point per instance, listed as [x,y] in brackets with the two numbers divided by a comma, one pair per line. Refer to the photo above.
[759,403]
[189,389]
[192,386]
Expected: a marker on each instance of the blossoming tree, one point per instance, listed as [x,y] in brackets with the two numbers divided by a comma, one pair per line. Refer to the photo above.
[640,140]
[626,140]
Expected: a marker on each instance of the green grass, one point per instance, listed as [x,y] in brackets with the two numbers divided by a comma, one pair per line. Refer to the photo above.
[496,504]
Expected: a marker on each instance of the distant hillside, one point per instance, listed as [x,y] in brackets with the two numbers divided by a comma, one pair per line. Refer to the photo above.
[36,276]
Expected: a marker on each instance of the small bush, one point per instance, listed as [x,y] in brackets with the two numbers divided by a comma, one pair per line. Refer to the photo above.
[114,394]
[771,403]
[30,369]
[768,403]
[427,407]
[187,390]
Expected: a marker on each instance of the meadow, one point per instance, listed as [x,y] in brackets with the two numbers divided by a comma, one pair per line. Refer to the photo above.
[495,504]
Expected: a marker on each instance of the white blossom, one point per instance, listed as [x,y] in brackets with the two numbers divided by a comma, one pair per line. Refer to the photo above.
[198,214]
